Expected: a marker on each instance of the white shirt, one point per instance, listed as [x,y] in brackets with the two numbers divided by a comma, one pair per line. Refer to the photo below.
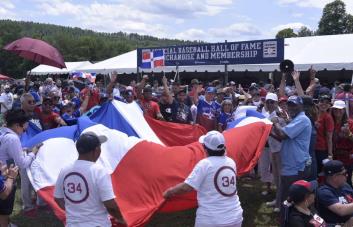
[214,179]
[274,144]
[116,92]
[84,185]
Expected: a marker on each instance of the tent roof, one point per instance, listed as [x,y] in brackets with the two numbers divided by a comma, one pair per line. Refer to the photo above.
[46,69]
[125,63]
[332,52]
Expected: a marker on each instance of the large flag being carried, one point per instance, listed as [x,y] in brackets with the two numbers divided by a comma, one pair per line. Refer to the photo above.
[144,159]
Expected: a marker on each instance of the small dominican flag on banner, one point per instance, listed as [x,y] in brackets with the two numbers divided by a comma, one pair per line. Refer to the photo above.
[152,59]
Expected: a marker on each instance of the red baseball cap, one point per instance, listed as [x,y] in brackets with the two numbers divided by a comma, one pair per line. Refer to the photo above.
[299,189]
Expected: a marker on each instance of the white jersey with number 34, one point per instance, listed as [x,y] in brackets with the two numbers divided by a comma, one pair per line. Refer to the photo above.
[84,186]
[214,179]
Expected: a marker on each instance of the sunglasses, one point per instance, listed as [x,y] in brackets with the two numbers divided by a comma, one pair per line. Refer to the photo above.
[31,102]
[270,101]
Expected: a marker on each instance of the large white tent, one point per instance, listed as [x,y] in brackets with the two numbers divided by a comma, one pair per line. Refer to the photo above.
[125,63]
[50,70]
[333,52]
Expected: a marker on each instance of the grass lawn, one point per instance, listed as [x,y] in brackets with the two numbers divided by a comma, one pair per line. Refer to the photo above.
[253,203]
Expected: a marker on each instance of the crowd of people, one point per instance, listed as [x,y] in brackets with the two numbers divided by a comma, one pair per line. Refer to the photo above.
[311,136]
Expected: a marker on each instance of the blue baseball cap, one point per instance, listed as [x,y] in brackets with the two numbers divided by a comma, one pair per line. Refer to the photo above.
[297,100]
[211,90]
[332,167]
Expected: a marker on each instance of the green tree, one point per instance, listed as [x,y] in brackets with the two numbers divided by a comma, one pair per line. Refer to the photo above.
[286,33]
[10,63]
[333,20]
[74,44]
[305,31]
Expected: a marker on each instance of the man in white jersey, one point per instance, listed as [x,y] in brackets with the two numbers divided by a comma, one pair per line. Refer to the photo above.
[214,179]
[84,189]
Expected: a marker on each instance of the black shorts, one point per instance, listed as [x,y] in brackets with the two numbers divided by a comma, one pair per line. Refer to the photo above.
[6,205]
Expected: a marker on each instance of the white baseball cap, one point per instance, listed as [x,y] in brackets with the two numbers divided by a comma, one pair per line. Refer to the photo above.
[272,96]
[213,140]
[339,104]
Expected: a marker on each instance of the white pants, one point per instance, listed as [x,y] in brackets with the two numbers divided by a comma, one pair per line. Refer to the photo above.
[265,166]
[276,172]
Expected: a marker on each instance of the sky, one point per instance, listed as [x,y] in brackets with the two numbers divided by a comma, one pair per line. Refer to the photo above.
[206,20]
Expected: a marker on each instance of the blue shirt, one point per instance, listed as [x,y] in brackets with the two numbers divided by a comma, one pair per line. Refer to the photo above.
[35,96]
[327,196]
[71,119]
[207,109]
[295,149]
[218,107]
[77,102]
[224,118]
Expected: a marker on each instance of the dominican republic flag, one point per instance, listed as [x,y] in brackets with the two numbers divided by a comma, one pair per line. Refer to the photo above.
[143,156]
[90,76]
[152,59]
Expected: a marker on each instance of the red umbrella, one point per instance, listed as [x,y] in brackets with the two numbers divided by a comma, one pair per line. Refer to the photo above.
[38,51]
[3,77]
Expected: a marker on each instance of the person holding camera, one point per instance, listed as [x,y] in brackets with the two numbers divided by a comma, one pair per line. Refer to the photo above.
[11,152]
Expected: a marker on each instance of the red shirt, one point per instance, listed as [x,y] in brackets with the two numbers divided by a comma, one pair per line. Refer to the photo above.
[325,124]
[150,108]
[93,100]
[48,121]
[343,147]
